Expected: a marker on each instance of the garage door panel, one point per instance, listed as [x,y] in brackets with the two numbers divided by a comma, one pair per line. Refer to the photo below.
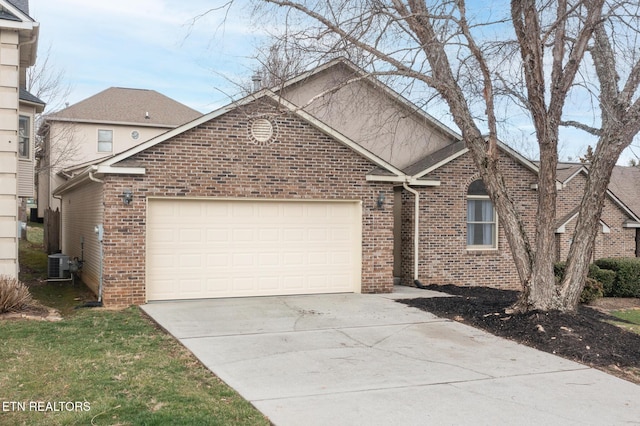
[227,248]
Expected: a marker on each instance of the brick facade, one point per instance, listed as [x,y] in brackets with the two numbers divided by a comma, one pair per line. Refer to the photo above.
[618,242]
[444,257]
[220,159]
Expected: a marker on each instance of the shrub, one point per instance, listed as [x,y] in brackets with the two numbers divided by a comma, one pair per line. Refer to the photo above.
[592,291]
[14,295]
[627,278]
[597,281]
[604,276]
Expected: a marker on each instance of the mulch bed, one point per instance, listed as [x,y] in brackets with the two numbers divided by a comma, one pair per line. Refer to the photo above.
[583,336]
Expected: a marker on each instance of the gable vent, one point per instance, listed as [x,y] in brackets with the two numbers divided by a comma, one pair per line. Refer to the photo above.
[262,131]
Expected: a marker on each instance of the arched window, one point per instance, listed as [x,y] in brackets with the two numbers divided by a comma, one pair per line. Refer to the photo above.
[482,228]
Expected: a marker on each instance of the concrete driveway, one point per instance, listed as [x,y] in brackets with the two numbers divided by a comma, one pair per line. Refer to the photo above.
[356,359]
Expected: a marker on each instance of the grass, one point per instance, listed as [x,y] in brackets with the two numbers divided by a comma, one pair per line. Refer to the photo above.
[630,319]
[33,260]
[115,363]
[127,371]
[62,296]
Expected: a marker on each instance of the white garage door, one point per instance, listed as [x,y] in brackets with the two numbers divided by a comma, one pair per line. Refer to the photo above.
[230,248]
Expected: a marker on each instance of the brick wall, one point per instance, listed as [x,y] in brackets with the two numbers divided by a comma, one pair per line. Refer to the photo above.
[219,159]
[444,257]
[618,242]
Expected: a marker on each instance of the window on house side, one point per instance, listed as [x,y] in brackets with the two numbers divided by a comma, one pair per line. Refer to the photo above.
[105,140]
[481,218]
[24,136]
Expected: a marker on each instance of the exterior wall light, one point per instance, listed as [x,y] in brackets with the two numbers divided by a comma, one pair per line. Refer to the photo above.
[127,196]
[380,200]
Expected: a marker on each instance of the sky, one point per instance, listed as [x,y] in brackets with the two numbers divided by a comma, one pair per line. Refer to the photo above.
[149,44]
[155,44]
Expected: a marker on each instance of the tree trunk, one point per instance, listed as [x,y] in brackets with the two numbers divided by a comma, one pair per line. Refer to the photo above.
[587,226]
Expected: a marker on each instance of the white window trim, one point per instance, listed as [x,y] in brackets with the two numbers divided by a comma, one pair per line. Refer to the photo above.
[98,140]
[29,136]
[492,247]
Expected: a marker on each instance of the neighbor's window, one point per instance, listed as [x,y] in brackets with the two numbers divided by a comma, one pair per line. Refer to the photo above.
[24,136]
[105,140]
[481,218]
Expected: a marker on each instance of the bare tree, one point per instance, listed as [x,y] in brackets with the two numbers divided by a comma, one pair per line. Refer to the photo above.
[474,59]
[278,63]
[47,82]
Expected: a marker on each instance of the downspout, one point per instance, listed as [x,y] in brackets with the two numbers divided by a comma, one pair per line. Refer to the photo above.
[416,234]
[99,232]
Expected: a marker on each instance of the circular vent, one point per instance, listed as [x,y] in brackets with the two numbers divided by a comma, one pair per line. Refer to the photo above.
[262,131]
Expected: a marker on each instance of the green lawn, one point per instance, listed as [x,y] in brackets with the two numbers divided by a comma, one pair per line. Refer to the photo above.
[124,369]
[630,319]
[116,364]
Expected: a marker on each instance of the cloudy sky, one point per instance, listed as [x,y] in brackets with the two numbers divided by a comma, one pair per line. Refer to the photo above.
[155,44]
[148,44]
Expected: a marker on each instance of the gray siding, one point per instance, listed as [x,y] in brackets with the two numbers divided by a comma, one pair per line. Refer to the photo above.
[82,210]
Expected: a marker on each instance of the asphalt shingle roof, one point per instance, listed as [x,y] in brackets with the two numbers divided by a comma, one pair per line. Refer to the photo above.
[625,184]
[23,5]
[122,105]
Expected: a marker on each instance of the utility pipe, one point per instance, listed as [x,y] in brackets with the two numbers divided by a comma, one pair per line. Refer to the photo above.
[416,228]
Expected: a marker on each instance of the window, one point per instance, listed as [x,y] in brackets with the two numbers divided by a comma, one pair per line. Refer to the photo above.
[24,136]
[105,140]
[481,218]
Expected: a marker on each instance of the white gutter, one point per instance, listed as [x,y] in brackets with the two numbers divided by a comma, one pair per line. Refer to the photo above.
[94,179]
[403,179]
[416,230]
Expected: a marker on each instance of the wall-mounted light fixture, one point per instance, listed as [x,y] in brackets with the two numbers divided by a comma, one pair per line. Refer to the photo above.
[127,196]
[380,200]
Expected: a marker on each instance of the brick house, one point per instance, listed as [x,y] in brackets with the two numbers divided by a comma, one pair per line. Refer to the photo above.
[619,235]
[273,195]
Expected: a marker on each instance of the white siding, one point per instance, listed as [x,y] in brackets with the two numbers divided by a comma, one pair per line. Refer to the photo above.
[26,179]
[82,210]
[9,60]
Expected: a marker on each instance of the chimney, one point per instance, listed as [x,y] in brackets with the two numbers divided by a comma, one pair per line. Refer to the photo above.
[257,81]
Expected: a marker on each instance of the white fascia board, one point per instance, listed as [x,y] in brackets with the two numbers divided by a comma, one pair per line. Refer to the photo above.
[16,25]
[402,179]
[559,186]
[631,225]
[108,170]
[334,134]
[110,123]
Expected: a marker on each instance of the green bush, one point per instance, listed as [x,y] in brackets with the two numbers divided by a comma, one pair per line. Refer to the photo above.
[598,280]
[592,291]
[627,276]
[604,276]
[14,295]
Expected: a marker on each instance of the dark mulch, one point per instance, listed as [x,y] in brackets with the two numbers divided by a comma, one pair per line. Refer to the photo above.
[584,336]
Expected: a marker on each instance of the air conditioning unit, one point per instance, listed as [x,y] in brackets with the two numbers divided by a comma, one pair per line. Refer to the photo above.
[58,267]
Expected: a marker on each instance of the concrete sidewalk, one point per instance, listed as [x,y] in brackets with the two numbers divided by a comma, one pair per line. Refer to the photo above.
[351,359]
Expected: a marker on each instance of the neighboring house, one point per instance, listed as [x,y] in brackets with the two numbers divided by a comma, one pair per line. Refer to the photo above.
[18,47]
[271,196]
[99,127]
[619,235]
